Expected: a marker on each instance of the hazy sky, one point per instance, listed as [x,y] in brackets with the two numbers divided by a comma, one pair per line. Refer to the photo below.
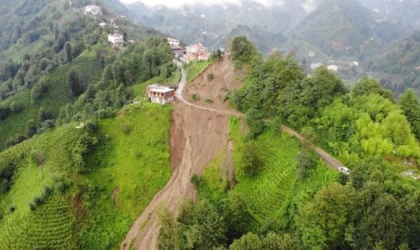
[174,3]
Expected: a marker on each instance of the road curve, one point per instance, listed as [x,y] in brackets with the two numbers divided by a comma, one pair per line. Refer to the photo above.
[325,157]
[143,226]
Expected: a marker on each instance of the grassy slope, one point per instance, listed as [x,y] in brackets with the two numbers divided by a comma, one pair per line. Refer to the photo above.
[127,171]
[270,194]
[50,225]
[134,167]
[195,69]
[57,96]
[140,88]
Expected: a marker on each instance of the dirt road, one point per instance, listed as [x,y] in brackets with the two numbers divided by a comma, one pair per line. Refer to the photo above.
[198,134]
[325,157]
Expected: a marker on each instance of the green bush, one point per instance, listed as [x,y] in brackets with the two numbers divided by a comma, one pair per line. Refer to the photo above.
[210,77]
[251,162]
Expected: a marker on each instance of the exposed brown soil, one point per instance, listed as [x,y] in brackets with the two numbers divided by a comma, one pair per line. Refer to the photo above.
[197,137]
[212,93]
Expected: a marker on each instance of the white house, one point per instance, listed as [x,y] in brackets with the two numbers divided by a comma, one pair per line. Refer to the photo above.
[160,94]
[93,9]
[116,39]
[333,67]
[173,41]
[316,65]
[102,24]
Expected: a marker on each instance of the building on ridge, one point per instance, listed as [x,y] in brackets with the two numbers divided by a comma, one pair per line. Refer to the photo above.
[173,41]
[160,94]
[93,9]
[196,52]
[116,39]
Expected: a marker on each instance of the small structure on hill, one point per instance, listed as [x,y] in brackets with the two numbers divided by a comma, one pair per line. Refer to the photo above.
[333,67]
[173,41]
[93,9]
[178,51]
[197,52]
[160,94]
[116,39]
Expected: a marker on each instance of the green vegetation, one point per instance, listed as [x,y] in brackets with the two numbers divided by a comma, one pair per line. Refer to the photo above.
[275,190]
[43,214]
[283,195]
[50,183]
[124,172]
[397,67]
[194,69]
[57,95]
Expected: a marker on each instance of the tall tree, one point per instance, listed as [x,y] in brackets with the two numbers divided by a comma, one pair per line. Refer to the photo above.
[68,52]
[73,81]
[323,221]
[410,106]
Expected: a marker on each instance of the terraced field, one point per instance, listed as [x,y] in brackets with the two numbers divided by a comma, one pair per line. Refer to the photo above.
[52,223]
[57,96]
[271,193]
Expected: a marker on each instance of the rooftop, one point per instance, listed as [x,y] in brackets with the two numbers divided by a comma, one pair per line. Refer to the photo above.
[115,35]
[159,88]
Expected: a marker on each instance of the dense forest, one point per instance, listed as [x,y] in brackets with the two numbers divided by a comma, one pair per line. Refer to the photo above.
[373,208]
[63,91]
[59,55]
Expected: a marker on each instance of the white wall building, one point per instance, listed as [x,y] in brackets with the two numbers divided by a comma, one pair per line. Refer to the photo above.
[116,39]
[93,9]
[173,41]
[333,67]
[160,94]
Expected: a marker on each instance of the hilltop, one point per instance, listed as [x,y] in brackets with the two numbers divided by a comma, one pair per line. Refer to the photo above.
[346,28]
[398,67]
[41,44]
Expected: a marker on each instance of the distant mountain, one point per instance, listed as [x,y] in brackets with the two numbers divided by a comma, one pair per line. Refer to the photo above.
[398,67]
[406,11]
[347,28]
[213,25]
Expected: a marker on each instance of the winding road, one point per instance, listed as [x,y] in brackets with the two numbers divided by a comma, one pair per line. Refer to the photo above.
[327,158]
[144,231]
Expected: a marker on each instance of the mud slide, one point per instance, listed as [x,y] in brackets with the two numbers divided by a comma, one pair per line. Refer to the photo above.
[198,134]
[199,131]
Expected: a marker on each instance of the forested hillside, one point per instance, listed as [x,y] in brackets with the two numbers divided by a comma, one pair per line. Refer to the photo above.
[52,52]
[398,67]
[65,113]
[346,28]
[282,196]
[214,25]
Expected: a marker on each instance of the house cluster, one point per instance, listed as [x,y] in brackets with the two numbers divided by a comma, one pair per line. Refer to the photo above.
[161,94]
[194,52]
[93,10]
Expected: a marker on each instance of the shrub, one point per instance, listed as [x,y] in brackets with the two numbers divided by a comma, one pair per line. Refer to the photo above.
[195,97]
[209,101]
[196,180]
[251,162]
[306,161]
[32,206]
[126,129]
[12,208]
[210,77]
[39,200]
[15,107]
[254,119]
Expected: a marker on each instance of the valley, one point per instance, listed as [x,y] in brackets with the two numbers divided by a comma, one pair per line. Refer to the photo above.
[235,125]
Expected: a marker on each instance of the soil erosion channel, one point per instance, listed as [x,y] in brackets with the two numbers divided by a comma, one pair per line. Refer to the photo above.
[198,134]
